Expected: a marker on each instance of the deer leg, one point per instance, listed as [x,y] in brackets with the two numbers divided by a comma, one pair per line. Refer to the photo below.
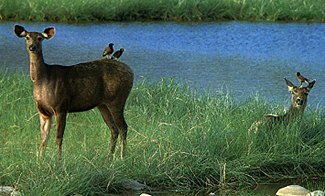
[108,118]
[118,116]
[60,126]
[45,127]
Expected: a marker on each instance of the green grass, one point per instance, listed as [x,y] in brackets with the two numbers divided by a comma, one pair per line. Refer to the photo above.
[166,10]
[178,139]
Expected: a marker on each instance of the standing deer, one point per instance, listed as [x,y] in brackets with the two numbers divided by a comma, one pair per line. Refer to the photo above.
[298,104]
[58,90]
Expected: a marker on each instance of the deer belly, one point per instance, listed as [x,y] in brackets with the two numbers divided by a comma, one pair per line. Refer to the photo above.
[82,104]
[62,103]
[81,108]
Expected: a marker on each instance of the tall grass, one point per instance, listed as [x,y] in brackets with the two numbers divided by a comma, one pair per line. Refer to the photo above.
[166,10]
[177,140]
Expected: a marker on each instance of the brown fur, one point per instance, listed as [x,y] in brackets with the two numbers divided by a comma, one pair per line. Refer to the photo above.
[104,84]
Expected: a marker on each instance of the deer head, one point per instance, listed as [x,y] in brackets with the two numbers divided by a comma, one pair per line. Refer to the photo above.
[299,94]
[34,39]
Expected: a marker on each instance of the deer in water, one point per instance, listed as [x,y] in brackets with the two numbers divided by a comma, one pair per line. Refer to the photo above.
[298,104]
[58,90]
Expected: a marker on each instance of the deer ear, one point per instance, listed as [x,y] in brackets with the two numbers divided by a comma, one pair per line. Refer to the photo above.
[311,85]
[49,32]
[290,85]
[20,31]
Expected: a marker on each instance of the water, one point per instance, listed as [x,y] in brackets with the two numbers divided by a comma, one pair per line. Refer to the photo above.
[242,58]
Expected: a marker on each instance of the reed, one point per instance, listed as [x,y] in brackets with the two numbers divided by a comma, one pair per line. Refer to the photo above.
[165,10]
[178,139]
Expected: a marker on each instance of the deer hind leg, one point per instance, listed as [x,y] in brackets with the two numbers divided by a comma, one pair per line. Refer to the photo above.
[108,118]
[60,118]
[45,127]
[116,109]
[118,115]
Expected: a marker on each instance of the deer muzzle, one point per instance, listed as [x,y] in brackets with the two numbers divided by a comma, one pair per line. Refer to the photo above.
[299,101]
[32,48]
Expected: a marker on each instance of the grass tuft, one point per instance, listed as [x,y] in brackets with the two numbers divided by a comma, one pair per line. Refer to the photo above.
[165,10]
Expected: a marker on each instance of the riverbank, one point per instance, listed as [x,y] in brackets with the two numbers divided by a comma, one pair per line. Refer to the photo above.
[177,140]
[167,10]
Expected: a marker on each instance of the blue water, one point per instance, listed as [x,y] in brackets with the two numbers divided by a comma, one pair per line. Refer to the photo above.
[243,58]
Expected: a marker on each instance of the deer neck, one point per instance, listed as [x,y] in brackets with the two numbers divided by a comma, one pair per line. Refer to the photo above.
[294,112]
[37,67]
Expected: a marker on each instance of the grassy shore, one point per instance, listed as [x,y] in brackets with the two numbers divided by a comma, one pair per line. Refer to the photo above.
[165,10]
[177,140]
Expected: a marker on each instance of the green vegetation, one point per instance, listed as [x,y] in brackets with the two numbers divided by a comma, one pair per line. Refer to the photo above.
[177,140]
[166,10]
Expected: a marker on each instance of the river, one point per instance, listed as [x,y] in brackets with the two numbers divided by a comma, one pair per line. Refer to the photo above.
[244,59]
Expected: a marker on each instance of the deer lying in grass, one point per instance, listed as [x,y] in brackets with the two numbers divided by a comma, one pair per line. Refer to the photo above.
[103,83]
[298,104]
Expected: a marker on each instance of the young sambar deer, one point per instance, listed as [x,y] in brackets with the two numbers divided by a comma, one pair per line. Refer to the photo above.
[298,104]
[58,90]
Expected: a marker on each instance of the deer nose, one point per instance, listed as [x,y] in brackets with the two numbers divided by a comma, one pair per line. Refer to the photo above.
[300,101]
[32,48]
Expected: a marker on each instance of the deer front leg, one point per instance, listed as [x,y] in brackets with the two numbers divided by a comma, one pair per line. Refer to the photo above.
[45,126]
[60,126]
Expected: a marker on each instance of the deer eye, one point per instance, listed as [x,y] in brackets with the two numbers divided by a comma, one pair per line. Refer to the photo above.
[39,38]
[27,37]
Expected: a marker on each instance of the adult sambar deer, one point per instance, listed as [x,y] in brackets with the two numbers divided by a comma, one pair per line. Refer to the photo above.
[58,89]
[298,104]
